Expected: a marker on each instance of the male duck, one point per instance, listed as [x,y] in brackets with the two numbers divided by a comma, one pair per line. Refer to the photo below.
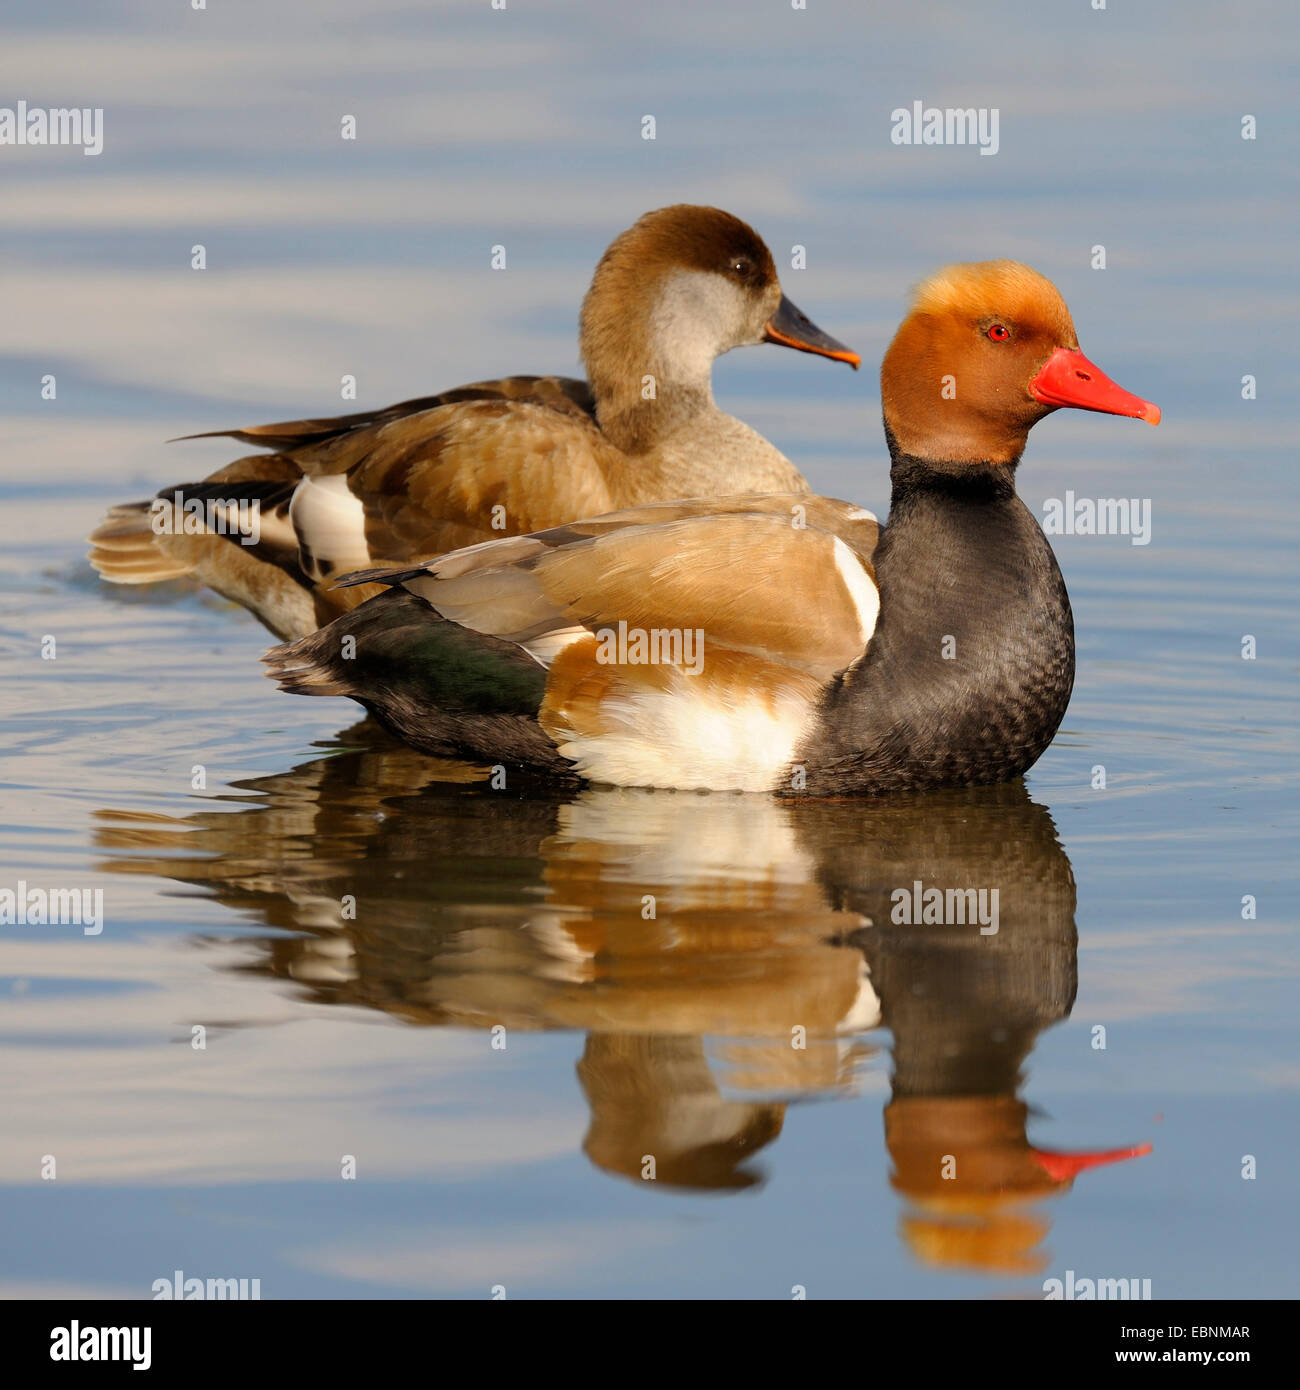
[817,652]
[505,457]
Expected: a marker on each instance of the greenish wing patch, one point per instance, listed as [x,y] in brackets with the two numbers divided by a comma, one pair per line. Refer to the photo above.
[433,661]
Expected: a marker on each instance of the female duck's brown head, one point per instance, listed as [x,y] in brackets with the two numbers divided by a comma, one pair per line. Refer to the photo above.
[681,287]
[987,351]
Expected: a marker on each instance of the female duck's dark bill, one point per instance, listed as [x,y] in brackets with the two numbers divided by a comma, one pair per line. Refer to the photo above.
[1068,378]
[791,327]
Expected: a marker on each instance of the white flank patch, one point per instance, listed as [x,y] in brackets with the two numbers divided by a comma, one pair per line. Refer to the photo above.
[862,590]
[864,1012]
[680,737]
[330,523]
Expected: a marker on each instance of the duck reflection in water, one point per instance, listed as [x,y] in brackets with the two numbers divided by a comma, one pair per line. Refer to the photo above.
[656,920]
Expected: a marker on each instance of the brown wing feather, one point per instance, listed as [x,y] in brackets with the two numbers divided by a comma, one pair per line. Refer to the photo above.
[428,472]
[749,583]
[748,577]
[855,526]
[460,474]
[565,394]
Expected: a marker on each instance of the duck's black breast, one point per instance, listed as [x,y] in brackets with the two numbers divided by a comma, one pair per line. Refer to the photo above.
[970,669]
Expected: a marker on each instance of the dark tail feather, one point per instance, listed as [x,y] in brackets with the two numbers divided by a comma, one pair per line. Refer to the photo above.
[391,577]
[441,687]
[261,490]
[312,665]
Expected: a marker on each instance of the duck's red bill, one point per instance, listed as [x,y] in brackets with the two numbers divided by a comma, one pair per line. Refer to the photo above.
[1064,1167]
[1068,378]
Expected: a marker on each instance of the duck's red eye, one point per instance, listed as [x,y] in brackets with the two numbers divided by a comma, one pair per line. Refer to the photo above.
[998,333]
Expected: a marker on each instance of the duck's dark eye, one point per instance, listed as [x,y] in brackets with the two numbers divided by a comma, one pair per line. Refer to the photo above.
[742,266]
[999,333]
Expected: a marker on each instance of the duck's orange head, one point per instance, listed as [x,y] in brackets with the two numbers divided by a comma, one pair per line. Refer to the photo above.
[988,349]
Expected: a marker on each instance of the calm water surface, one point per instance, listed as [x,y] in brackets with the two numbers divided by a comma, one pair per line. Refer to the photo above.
[379,1036]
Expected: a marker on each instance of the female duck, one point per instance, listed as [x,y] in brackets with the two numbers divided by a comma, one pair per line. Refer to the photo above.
[827,654]
[682,286]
